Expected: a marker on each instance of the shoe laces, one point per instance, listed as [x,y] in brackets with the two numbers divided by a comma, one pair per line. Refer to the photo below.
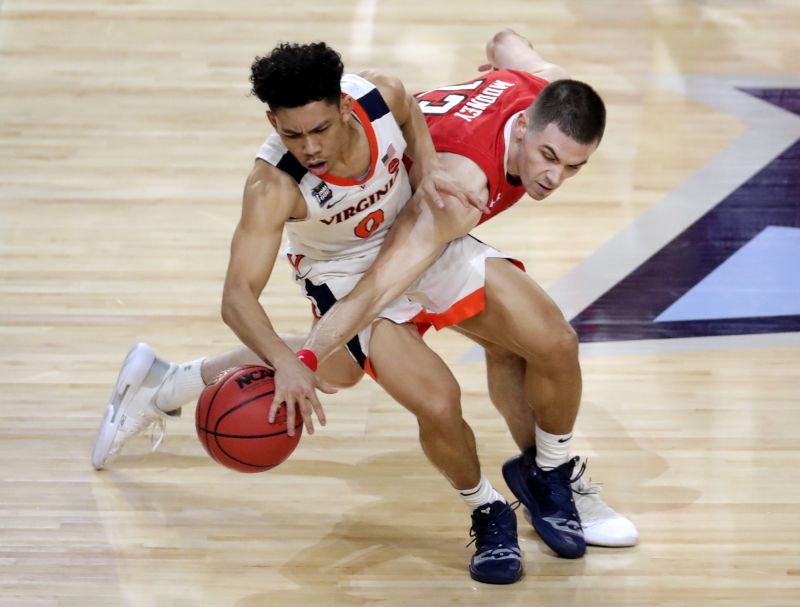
[584,486]
[158,431]
[579,475]
[489,529]
[554,478]
[591,506]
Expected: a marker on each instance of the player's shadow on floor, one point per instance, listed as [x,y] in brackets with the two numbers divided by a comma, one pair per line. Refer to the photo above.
[629,472]
[412,527]
[417,529]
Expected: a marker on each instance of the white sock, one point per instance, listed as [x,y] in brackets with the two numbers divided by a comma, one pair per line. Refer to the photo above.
[552,450]
[481,494]
[181,386]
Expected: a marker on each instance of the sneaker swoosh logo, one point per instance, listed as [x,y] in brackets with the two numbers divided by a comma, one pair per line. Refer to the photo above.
[496,555]
[565,525]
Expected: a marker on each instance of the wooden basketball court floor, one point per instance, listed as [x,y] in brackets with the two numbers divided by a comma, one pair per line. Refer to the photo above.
[126,132]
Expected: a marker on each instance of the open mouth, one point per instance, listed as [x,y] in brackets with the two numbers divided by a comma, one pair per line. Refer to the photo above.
[318,168]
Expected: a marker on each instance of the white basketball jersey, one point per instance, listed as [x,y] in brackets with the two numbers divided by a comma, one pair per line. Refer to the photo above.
[347,219]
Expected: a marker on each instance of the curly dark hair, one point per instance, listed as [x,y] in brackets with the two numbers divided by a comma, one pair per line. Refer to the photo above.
[574,106]
[293,75]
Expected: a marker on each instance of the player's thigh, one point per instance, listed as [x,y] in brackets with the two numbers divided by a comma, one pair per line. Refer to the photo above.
[519,315]
[496,355]
[339,369]
[412,373]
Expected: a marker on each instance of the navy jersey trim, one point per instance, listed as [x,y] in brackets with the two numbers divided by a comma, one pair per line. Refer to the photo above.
[373,105]
[289,164]
[324,299]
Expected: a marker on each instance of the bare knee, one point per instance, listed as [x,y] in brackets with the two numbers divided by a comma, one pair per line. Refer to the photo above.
[439,411]
[560,345]
[342,378]
[340,370]
[508,50]
[501,39]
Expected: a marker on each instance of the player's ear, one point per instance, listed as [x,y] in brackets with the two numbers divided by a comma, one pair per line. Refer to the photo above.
[521,125]
[346,107]
[271,118]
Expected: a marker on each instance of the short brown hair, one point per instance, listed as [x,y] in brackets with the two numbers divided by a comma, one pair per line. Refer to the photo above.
[574,106]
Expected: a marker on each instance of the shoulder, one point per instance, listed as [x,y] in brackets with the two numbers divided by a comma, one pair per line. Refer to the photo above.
[387,85]
[390,88]
[271,190]
[265,178]
[466,172]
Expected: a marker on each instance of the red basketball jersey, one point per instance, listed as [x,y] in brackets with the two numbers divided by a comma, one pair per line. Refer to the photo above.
[470,119]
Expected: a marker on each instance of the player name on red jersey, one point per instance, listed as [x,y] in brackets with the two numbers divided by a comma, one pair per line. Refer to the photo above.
[475,106]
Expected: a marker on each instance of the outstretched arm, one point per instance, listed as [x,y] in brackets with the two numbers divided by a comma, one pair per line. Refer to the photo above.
[414,242]
[270,199]
[427,174]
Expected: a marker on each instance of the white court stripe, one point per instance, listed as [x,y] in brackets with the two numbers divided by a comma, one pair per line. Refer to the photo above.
[362,30]
[773,130]
[642,347]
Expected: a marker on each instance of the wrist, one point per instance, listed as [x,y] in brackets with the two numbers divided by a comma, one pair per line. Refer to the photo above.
[430,164]
[308,358]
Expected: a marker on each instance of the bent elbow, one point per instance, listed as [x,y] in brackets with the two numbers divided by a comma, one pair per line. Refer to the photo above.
[228,309]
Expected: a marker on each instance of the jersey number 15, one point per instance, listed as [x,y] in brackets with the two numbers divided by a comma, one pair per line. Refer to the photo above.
[449,101]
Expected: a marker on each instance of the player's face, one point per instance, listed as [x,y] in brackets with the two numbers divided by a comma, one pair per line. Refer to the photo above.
[546,158]
[314,133]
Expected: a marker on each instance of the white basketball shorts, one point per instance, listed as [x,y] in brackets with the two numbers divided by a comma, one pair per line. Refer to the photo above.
[449,291]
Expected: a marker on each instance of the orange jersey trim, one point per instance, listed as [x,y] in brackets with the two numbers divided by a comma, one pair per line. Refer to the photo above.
[463,309]
[373,151]
[467,307]
[369,370]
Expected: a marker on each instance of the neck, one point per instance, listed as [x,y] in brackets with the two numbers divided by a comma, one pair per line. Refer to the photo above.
[513,149]
[355,157]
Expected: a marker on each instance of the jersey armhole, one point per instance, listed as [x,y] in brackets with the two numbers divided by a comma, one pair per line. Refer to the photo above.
[484,161]
[308,211]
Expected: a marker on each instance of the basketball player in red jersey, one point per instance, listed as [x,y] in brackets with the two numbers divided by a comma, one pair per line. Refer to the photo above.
[493,138]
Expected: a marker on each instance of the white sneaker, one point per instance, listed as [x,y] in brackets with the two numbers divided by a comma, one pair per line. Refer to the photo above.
[131,408]
[602,526]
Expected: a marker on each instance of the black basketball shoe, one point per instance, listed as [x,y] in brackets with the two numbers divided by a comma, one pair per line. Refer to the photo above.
[497,558]
[547,494]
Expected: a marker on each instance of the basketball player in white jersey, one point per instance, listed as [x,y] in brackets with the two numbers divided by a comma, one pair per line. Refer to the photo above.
[334,178]
[328,271]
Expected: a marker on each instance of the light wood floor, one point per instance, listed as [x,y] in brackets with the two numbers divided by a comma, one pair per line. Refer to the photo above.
[126,132]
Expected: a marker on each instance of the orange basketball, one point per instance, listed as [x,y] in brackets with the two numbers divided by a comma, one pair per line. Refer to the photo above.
[232,421]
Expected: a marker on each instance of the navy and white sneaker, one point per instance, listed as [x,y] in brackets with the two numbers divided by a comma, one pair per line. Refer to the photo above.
[497,558]
[547,494]
[602,525]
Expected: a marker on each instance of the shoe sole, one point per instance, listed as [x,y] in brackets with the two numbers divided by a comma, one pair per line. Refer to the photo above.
[620,542]
[485,580]
[512,473]
[135,369]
